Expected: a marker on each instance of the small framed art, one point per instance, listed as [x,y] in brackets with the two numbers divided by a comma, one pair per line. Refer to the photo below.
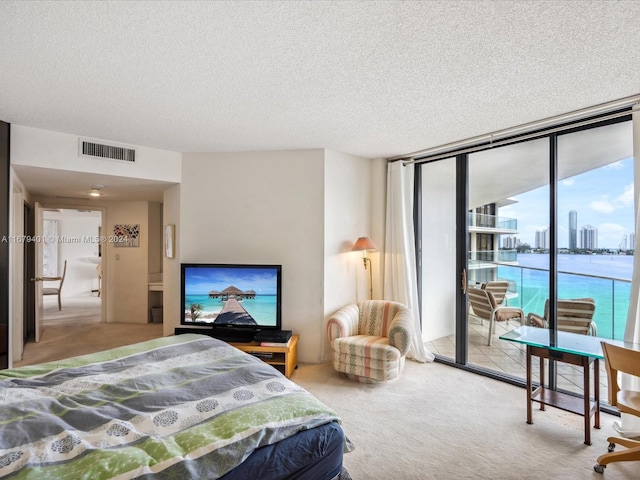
[169,240]
[125,235]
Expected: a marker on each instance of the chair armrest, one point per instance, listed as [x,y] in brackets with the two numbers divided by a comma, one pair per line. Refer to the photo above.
[343,323]
[536,320]
[401,330]
[507,313]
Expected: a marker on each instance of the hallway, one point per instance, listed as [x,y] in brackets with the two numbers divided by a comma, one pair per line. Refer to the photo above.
[77,330]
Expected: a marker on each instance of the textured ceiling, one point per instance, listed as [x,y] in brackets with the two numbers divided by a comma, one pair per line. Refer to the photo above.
[375,79]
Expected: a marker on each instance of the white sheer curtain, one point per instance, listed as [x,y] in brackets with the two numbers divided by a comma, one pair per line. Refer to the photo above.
[629,425]
[400,276]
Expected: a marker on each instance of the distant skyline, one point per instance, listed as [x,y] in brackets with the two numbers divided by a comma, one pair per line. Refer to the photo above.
[602,198]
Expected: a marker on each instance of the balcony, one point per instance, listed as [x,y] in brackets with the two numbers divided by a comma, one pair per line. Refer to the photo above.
[528,289]
[490,258]
[509,358]
[479,222]
[611,294]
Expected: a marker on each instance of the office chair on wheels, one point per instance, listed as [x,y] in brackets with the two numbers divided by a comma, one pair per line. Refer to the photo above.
[620,359]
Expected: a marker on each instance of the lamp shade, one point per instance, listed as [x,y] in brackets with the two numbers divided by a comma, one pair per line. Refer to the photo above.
[363,243]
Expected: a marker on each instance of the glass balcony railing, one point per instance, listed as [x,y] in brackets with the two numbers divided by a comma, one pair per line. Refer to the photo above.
[492,221]
[529,289]
[482,256]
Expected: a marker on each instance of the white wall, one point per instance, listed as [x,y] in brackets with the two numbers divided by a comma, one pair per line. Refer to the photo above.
[127,275]
[156,237]
[347,216]
[262,207]
[171,266]
[378,205]
[47,149]
[253,207]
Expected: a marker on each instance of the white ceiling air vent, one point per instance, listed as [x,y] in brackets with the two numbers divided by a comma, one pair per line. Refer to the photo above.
[93,149]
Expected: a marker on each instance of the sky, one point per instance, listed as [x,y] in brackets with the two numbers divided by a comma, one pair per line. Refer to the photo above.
[602,197]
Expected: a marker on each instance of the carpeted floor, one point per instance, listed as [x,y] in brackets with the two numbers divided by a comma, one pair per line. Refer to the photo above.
[77,330]
[439,422]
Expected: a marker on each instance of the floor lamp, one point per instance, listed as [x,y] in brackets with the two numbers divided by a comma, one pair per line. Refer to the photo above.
[364,244]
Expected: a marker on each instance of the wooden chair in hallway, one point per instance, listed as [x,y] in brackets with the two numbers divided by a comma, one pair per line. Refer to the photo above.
[99,270]
[619,359]
[58,289]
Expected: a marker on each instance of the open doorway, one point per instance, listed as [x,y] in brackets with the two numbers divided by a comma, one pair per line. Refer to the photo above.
[71,267]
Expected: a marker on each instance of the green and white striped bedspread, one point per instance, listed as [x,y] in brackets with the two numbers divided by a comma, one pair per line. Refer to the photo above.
[184,405]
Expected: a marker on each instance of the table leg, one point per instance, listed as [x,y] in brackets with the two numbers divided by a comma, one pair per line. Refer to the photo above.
[587,402]
[596,390]
[542,379]
[529,401]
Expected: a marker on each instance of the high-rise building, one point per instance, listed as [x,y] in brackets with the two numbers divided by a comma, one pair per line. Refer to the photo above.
[588,238]
[573,230]
[542,238]
[511,242]
[632,241]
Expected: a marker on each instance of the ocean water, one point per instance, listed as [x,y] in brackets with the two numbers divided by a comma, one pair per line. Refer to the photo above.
[581,277]
[262,308]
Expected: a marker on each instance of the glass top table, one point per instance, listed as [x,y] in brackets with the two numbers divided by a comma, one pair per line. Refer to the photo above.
[566,342]
[575,343]
[571,348]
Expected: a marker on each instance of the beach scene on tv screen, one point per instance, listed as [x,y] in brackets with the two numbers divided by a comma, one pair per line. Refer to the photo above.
[230,296]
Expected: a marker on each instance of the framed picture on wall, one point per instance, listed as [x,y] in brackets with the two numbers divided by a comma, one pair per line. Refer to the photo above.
[169,239]
[126,235]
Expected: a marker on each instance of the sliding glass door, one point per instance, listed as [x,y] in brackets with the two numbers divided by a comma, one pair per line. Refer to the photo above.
[437,244]
[511,183]
[596,222]
[551,217]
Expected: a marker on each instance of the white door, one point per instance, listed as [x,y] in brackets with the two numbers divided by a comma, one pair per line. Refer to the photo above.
[38,271]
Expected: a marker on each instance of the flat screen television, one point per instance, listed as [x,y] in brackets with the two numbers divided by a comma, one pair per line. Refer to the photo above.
[231,297]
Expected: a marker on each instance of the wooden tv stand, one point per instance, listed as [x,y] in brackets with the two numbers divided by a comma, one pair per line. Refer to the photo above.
[283,358]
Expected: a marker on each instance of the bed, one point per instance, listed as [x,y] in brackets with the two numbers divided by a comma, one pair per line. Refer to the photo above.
[187,406]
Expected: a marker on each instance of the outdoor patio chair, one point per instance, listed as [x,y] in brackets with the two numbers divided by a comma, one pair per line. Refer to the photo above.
[574,315]
[498,288]
[485,307]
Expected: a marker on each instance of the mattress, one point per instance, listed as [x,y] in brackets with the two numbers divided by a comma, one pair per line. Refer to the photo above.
[187,406]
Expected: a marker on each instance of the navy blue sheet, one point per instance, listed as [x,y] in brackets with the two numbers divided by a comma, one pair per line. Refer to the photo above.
[310,454]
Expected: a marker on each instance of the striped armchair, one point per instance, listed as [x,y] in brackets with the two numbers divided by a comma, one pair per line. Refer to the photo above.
[370,340]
